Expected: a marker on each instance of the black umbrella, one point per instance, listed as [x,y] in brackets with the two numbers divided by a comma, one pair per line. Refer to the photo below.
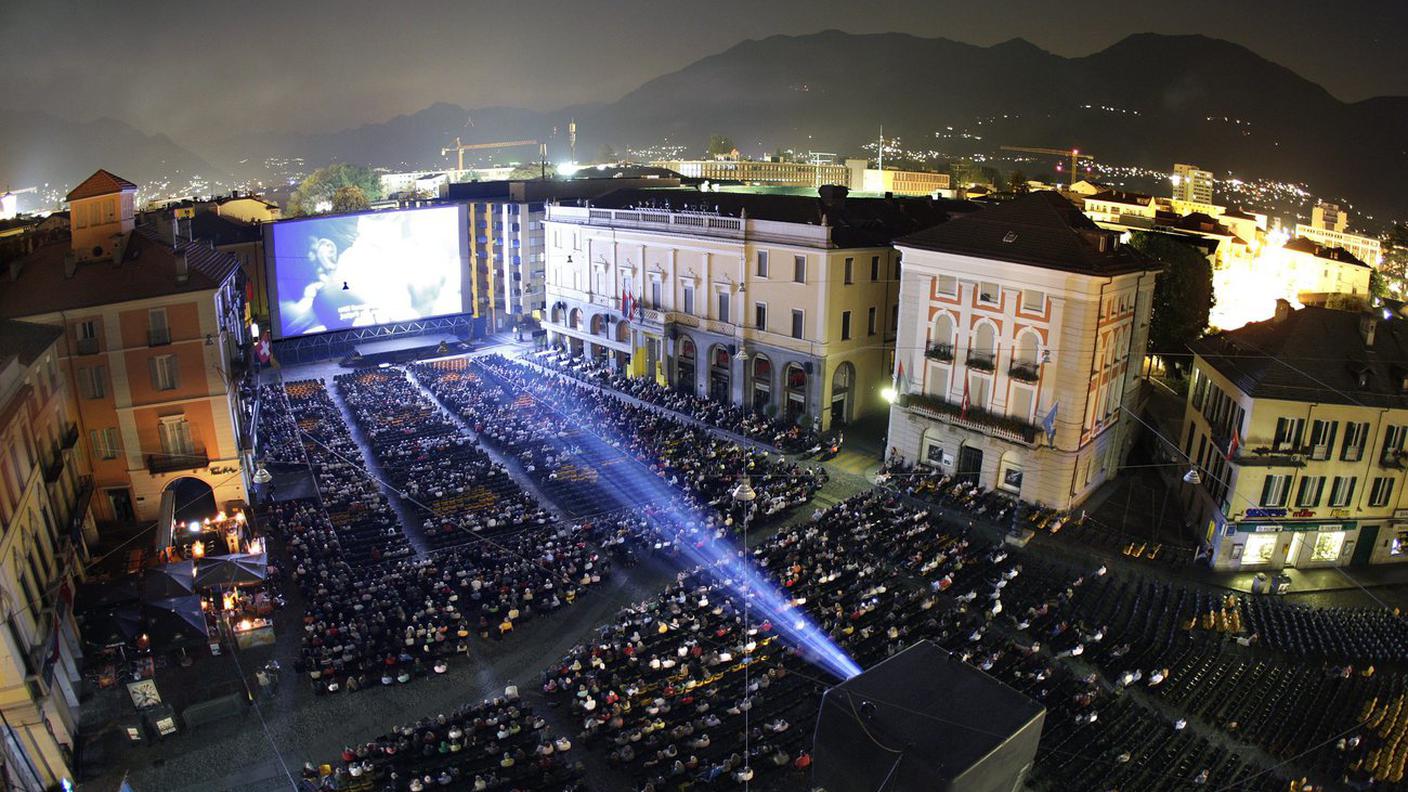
[237,569]
[176,616]
[171,580]
[114,625]
[96,596]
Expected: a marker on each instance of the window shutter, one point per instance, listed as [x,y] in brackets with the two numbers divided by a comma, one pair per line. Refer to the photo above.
[152,368]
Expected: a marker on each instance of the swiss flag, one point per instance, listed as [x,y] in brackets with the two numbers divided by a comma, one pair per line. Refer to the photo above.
[1232,445]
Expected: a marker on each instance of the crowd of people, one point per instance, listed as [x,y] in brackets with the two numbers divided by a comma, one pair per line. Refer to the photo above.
[782,435]
[376,614]
[276,435]
[460,493]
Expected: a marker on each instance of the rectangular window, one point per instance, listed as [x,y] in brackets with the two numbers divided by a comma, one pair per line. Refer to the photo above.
[158,332]
[689,299]
[1200,390]
[946,285]
[92,382]
[799,269]
[850,271]
[1288,433]
[1023,400]
[1322,438]
[165,372]
[989,293]
[762,263]
[874,269]
[106,443]
[1273,490]
[760,315]
[797,320]
[1356,434]
[655,294]
[870,321]
[1342,491]
[1381,491]
[723,306]
[1033,301]
[175,434]
[1393,443]
[845,325]
[1309,490]
[980,388]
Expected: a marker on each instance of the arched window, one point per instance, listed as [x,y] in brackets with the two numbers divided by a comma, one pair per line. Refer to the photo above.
[720,374]
[574,319]
[1027,344]
[762,382]
[599,324]
[982,354]
[941,337]
[686,350]
[796,385]
[841,383]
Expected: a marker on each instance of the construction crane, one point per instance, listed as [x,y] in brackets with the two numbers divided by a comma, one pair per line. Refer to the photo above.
[460,148]
[1073,153]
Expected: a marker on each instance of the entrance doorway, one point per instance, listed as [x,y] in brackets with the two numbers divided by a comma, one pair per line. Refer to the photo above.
[120,499]
[720,375]
[841,383]
[684,368]
[970,464]
[195,500]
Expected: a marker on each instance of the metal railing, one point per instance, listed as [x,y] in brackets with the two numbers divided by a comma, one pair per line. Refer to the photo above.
[170,462]
[940,352]
[982,361]
[1001,426]
[1024,371]
[158,336]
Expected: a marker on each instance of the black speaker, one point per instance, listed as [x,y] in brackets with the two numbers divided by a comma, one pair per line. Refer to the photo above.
[924,721]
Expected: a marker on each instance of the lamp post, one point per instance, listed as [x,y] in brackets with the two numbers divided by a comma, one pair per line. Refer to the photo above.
[745,495]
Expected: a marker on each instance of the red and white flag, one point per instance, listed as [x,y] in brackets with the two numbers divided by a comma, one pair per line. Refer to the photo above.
[1233,444]
[963,407]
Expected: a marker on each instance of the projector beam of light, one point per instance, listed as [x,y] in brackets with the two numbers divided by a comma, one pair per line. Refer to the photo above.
[728,561]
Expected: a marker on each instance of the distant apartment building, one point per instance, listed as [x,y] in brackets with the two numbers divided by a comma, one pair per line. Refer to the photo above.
[1192,184]
[1329,217]
[1329,227]
[781,303]
[1021,331]
[1311,272]
[429,185]
[45,495]
[1298,428]
[150,328]
[770,172]
[900,182]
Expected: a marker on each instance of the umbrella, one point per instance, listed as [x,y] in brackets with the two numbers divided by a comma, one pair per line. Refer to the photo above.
[171,580]
[237,569]
[97,596]
[115,625]
[175,616]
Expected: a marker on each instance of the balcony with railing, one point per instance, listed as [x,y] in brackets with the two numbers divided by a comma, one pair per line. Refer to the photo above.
[1004,427]
[1025,371]
[940,352]
[69,439]
[168,462]
[158,336]
[54,467]
[982,361]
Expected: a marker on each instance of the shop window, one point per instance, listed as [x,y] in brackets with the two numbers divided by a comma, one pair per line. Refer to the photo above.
[1328,545]
[1260,548]
[1399,546]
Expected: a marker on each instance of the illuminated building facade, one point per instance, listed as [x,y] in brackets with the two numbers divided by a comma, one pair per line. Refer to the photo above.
[782,303]
[1021,331]
[1191,184]
[1317,401]
[775,173]
[150,332]
[45,494]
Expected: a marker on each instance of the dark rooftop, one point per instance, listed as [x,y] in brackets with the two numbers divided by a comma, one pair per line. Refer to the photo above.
[26,340]
[148,269]
[854,222]
[1042,229]
[1303,245]
[1315,355]
[1120,196]
[223,230]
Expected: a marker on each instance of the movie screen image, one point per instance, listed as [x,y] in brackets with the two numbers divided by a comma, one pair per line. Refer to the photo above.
[336,273]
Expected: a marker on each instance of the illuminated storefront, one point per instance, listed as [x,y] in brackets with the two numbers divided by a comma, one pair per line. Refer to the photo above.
[1291,543]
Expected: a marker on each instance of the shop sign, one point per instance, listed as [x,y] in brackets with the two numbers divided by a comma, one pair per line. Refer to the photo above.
[1400,514]
[1303,513]
[1260,513]
[1339,512]
[224,471]
[1293,526]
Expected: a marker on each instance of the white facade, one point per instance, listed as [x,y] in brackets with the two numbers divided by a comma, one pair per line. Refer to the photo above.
[1017,342]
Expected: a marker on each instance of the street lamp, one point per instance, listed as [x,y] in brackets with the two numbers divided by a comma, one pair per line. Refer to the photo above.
[1192,477]
[262,475]
[889,395]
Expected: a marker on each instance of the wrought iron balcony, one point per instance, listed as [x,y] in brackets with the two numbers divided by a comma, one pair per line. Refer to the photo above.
[1002,426]
[982,361]
[940,352]
[167,463]
[70,436]
[1026,372]
[158,336]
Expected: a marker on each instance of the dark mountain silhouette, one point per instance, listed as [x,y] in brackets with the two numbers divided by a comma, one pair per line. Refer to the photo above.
[36,148]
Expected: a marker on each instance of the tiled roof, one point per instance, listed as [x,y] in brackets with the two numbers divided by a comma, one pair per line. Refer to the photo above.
[222,230]
[26,340]
[100,183]
[1314,355]
[1303,245]
[1042,229]
[148,269]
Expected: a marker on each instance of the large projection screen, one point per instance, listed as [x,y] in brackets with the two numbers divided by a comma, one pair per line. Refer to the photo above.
[358,270]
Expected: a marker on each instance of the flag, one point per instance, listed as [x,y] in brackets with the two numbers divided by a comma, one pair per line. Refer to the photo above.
[901,380]
[1233,444]
[963,407]
[626,303]
[1049,424]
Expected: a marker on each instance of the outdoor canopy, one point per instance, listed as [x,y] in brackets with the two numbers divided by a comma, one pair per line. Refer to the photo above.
[238,569]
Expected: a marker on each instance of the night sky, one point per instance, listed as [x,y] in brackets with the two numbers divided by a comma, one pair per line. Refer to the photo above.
[193,68]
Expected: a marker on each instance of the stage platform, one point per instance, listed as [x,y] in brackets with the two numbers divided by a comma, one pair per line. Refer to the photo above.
[403,350]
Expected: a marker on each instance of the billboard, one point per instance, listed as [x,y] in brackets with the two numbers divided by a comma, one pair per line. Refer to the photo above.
[358,270]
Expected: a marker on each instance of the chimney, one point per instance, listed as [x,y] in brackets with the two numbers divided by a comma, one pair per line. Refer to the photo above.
[1283,309]
[183,267]
[832,194]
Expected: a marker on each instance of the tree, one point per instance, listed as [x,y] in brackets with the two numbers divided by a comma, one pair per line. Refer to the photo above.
[1183,297]
[1347,302]
[606,153]
[1017,182]
[315,193]
[350,199]
[721,146]
[1395,243]
[1378,284]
